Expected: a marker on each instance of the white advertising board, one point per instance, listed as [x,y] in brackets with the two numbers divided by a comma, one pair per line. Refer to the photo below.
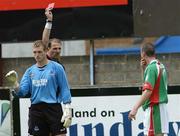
[107,116]
[5,122]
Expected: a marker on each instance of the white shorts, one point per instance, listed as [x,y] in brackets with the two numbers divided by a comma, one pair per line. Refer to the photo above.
[156,120]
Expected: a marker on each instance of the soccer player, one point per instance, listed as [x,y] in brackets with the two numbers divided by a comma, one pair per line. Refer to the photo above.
[154,97]
[43,80]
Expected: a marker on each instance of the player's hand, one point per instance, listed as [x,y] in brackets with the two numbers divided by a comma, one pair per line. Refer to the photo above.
[143,63]
[12,78]
[67,115]
[132,114]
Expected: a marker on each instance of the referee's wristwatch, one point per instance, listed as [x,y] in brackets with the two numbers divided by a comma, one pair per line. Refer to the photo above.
[49,21]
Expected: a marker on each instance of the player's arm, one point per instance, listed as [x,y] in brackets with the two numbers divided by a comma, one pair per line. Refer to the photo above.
[65,95]
[48,26]
[147,91]
[63,84]
[145,96]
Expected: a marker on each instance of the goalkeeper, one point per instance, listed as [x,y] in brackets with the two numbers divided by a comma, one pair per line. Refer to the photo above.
[42,80]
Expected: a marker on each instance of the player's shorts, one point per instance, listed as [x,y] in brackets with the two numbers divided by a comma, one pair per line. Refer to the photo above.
[45,118]
[156,120]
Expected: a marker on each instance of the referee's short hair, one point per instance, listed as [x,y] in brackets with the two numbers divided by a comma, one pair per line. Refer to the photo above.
[56,40]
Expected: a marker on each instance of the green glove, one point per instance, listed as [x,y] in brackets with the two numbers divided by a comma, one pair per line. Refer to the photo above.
[12,78]
[67,115]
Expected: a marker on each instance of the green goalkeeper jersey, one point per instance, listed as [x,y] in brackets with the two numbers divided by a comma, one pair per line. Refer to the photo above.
[155,80]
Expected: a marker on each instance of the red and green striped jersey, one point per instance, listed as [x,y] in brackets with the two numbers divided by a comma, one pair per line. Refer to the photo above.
[155,80]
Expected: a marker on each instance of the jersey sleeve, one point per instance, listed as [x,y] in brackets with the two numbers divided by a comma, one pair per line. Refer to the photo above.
[25,85]
[149,78]
[63,84]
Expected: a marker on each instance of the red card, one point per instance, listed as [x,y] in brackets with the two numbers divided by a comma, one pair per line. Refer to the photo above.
[50,6]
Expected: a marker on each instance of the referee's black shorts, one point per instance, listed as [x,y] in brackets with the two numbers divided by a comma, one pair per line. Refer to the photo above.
[45,118]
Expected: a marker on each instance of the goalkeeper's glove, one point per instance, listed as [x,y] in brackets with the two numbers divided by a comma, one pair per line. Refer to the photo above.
[12,78]
[67,115]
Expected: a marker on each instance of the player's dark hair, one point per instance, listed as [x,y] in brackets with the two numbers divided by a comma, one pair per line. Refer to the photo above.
[54,40]
[149,49]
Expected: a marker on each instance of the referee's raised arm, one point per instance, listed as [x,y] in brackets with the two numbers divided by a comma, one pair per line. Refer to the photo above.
[48,26]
